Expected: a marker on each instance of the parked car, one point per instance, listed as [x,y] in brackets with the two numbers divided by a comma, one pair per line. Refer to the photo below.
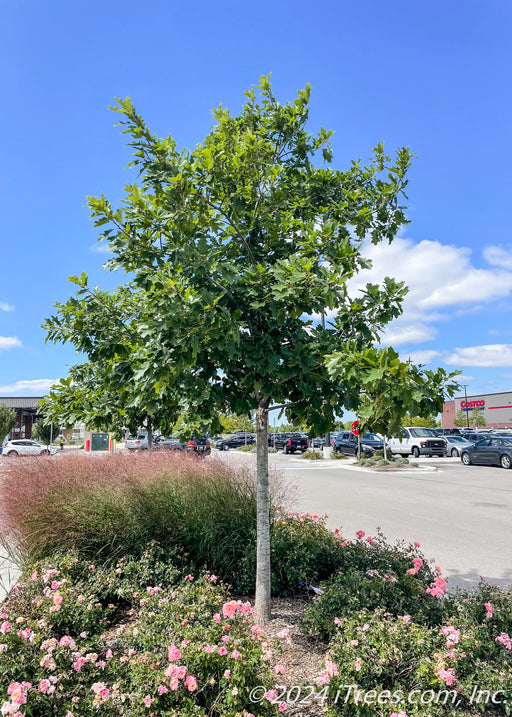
[27,447]
[347,443]
[455,445]
[317,442]
[235,441]
[447,431]
[199,446]
[167,443]
[417,440]
[137,443]
[490,451]
[475,436]
[291,442]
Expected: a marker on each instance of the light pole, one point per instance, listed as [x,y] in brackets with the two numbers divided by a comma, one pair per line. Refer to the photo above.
[466,409]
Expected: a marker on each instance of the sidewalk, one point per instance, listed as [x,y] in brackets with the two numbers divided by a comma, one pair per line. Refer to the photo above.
[8,576]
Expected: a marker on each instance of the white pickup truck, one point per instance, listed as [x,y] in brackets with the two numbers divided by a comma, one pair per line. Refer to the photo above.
[417,440]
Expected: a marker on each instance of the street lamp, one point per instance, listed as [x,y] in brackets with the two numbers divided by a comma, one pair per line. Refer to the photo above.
[466,409]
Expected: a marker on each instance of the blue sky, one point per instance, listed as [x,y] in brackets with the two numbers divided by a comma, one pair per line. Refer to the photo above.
[433,76]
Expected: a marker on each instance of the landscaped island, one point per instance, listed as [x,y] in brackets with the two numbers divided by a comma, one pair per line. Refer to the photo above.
[136,600]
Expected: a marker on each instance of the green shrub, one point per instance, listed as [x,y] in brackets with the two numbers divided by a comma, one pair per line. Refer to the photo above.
[484,617]
[374,656]
[382,664]
[311,455]
[401,461]
[373,574]
[91,594]
[303,552]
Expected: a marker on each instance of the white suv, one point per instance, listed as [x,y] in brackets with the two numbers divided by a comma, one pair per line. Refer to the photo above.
[27,447]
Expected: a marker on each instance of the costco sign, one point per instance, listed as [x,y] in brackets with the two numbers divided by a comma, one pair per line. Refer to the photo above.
[470,405]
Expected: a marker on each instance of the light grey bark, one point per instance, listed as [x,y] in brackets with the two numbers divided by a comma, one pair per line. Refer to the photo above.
[149,426]
[263,588]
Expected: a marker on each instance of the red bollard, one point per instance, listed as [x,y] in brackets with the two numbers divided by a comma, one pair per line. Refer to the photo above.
[88,444]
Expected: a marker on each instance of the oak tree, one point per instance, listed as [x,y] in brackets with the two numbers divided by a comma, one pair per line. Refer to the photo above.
[234,250]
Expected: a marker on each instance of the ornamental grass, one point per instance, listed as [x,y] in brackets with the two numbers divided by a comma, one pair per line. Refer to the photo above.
[112,505]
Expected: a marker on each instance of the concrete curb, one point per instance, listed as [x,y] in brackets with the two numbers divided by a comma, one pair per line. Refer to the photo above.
[350,466]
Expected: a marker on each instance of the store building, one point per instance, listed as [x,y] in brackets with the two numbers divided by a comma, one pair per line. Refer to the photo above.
[496,408]
[26,408]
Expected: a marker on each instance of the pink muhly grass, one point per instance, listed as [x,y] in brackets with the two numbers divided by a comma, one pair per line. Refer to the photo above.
[114,504]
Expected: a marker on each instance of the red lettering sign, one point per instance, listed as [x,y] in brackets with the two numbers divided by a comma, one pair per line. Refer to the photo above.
[472,404]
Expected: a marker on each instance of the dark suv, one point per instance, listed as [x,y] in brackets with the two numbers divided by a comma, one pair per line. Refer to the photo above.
[235,441]
[347,443]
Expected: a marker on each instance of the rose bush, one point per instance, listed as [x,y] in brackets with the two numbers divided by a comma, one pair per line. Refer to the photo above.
[184,648]
[373,574]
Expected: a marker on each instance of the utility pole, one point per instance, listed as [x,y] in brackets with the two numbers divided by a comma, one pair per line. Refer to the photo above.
[466,409]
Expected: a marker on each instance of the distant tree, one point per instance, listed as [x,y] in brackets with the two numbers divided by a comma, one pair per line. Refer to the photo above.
[477,418]
[474,418]
[295,427]
[426,421]
[7,421]
[45,432]
[232,422]
[461,419]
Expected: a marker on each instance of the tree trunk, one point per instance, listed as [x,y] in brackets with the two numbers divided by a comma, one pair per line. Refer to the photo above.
[263,592]
[149,426]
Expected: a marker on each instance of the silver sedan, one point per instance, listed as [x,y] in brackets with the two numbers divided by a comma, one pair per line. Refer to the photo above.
[455,445]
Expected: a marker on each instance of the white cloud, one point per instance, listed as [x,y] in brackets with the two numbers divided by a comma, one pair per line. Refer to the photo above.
[398,334]
[489,355]
[4,306]
[422,357]
[99,248]
[9,342]
[442,283]
[36,387]
[498,256]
